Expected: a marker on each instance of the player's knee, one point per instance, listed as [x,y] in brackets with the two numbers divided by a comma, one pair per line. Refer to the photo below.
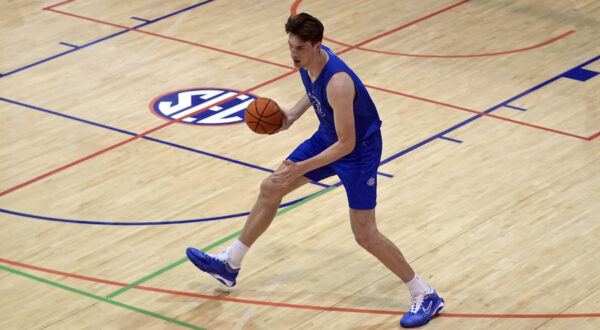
[270,190]
[365,238]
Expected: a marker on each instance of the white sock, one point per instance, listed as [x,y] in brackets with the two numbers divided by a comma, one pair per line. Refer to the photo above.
[417,287]
[236,253]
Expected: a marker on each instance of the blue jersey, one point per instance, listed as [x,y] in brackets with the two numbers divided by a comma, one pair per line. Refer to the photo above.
[366,119]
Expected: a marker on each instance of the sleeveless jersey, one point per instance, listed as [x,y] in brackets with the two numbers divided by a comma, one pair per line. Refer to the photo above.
[366,119]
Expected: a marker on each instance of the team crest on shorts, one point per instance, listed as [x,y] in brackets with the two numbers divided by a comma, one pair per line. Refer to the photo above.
[203,106]
[371,181]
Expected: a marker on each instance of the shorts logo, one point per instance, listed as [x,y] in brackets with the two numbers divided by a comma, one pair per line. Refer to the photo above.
[371,181]
[179,104]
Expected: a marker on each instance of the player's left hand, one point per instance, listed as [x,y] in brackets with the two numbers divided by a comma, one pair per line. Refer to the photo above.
[286,121]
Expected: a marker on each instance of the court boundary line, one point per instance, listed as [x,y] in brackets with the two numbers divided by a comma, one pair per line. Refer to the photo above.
[96,297]
[290,305]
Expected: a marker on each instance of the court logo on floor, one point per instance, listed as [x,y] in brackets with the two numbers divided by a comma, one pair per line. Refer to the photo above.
[203,106]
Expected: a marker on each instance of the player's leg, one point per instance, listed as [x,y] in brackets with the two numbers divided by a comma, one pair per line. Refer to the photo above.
[359,176]
[271,193]
[266,206]
[425,301]
[225,266]
[368,236]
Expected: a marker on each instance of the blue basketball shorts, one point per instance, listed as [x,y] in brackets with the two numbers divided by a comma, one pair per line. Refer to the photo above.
[357,170]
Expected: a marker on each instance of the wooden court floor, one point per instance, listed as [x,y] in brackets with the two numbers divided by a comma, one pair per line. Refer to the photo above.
[122,143]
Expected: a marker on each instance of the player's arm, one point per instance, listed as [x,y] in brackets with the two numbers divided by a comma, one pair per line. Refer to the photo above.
[290,115]
[340,93]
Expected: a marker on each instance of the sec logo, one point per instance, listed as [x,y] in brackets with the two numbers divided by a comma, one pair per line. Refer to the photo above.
[185,103]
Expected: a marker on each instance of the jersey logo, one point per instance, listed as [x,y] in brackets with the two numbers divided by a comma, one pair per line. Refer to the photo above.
[316,104]
[179,104]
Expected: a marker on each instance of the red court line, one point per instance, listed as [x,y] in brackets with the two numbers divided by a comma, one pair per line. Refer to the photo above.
[480,113]
[114,146]
[294,306]
[166,37]
[471,55]
[294,11]
[58,4]
[593,136]
[404,26]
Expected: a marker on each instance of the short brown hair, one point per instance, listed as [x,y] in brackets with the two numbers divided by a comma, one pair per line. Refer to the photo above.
[305,27]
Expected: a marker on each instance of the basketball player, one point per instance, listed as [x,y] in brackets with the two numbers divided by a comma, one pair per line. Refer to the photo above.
[348,144]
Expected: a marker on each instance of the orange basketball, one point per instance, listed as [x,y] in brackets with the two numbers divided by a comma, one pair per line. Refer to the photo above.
[263,116]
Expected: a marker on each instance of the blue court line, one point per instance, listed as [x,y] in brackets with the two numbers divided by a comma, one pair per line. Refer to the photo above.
[101,39]
[449,139]
[500,105]
[513,107]
[66,116]
[231,160]
[146,223]
[180,11]
[64,53]
[385,174]
[223,158]
[580,74]
[140,19]
[67,44]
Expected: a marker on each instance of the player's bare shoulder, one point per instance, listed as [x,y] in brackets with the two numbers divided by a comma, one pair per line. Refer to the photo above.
[340,87]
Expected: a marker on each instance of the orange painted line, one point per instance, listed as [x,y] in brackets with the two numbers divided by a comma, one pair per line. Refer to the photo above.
[294,9]
[56,272]
[295,306]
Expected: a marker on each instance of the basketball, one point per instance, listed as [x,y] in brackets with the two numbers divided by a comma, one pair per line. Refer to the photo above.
[263,116]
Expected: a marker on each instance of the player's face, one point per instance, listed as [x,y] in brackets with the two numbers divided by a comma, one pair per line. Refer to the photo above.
[302,52]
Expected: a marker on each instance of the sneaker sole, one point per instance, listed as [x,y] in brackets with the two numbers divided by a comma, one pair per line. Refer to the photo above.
[437,310]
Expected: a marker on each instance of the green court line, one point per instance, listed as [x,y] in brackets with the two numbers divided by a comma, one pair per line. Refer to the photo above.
[213,245]
[106,300]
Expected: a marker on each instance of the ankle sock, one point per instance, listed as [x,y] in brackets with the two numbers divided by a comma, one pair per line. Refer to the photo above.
[417,287]
[235,254]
